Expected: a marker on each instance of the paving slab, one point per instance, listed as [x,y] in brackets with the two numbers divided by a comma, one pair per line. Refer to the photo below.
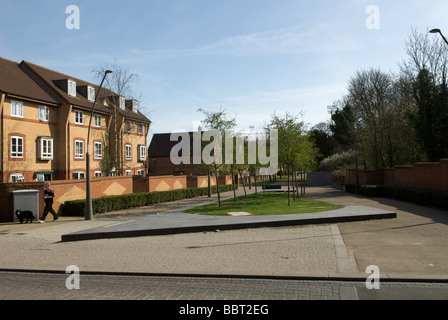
[177,221]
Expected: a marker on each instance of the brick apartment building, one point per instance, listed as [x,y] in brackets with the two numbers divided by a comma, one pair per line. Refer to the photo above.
[44,123]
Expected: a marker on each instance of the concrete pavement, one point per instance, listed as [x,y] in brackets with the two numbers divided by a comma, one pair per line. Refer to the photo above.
[283,250]
[416,242]
[177,221]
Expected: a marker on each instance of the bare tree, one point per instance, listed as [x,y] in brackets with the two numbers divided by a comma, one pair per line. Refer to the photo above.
[425,52]
[426,72]
[380,104]
[122,83]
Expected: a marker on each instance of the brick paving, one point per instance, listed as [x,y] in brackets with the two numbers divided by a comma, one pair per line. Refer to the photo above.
[34,286]
[268,251]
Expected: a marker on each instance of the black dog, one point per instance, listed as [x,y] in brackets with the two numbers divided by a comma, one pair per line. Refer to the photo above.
[24,215]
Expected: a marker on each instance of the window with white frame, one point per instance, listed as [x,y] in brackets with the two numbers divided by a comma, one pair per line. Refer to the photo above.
[79,175]
[79,149]
[17,109]
[98,174]
[141,172]
[79,117]
[129,172]
[17,177]
[98,150]
[71,88]
[91,94]
[17,147]
[141,152]
[97,121]
[45,148]
[128,152]
[41,177]
[44,113]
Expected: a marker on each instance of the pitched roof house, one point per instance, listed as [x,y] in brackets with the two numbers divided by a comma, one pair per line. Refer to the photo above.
[159,155]
[44,123]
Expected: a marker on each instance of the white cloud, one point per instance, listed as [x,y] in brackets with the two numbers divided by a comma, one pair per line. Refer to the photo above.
[298,39]
[279,41]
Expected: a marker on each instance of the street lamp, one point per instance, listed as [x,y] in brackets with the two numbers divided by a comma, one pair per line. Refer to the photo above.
[439,32]
[89,211]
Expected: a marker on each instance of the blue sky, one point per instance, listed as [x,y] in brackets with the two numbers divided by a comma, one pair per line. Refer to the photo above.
[249,57]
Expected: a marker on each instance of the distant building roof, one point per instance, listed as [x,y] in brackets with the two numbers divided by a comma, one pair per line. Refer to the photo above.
[161,145]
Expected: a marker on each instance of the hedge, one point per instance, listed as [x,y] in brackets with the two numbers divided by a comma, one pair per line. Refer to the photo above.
[423,197]
[76,208]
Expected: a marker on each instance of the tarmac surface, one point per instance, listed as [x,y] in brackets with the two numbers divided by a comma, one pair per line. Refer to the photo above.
[410,250]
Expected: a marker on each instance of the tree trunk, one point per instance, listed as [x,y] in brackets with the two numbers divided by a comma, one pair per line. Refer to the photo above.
[294,187]
[244,185]
[217,188]
[255,180]
[289,188]
[233,186]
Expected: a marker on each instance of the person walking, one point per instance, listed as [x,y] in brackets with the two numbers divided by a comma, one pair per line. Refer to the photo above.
[48,198]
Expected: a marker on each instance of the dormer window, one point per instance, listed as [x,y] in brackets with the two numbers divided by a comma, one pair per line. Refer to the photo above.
[122,103]
[71,88]
[135,106]
[91,94]
[132,105]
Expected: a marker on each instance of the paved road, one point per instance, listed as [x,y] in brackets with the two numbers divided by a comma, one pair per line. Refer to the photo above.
[51,286]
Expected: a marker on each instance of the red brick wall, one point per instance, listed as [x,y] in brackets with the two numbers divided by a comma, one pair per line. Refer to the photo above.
[200,181]
[430,175]
[165,183]
[67,190]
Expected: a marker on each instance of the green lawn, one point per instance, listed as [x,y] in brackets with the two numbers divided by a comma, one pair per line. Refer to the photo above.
[271,203]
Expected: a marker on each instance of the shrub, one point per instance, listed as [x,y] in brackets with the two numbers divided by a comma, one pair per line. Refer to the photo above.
[76,208]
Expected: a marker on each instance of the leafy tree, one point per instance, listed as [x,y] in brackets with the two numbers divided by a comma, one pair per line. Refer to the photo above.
[324,140]
[431,116]
[218,121]
[343,126]
[295,147]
